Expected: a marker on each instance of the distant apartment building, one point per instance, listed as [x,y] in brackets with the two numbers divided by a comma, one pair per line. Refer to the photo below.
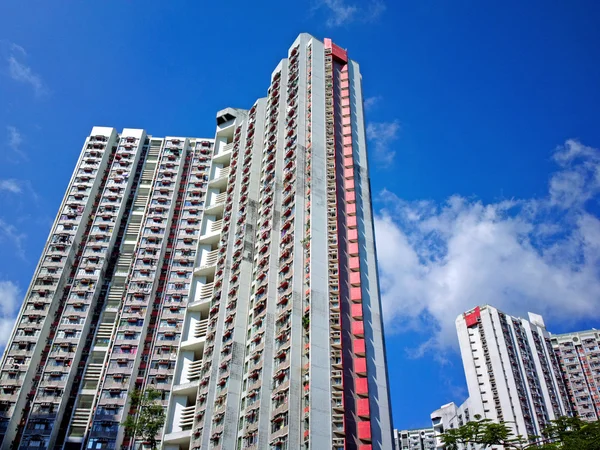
[447,417]
[519,373]
[234,275]
[579,356]
[512,372]
[417,439]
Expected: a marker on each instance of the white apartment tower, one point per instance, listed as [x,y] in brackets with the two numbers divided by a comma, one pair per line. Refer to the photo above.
[512,372]
[235,275]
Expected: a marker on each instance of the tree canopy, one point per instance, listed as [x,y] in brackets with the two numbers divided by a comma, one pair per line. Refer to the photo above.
[150,417]
[565,433]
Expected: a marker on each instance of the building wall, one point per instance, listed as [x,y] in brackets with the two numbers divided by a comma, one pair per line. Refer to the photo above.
[447,417]
[417,439]
[579,356]
[235,276]
[511,374]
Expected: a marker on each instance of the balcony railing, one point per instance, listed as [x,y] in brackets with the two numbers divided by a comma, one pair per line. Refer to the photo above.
[211,258]
[194,370]
[216,225]
[205,292]
[223,172]
[219,198]
[186,419]
[201,328]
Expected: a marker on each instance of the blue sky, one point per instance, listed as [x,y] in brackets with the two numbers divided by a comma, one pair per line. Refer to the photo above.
[483,132]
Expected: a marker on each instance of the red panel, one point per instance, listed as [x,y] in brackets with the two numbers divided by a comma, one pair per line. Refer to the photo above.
[358,328]
[348,150]
[362,386]
[346,121]
[355,278]
[352,234]
[345,101]
[349,173]
[346,111]
[344,73]
[351,222]
[355,294]
[347,140]
[357,308]
[349,183]
[336,51]
[365,447]
[346,129]
[351,210]
[472,319]
[344,84]
[362,407]
[351,198]
[354,263]
[359,346]
[339,53]
[353,249]
[360,364]
[364,430]
[348,160]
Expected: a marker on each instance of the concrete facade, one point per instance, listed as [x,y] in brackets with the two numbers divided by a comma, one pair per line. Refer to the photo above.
[234,275]
[417,439]
[447,417]
[579,356]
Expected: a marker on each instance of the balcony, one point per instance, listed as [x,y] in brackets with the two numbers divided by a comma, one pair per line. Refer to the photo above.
[200,329]
[205,292]
[217,200]
[219,180]
[223,153]
[186,417]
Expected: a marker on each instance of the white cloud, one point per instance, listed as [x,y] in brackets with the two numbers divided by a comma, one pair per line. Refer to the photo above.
[10,301]
[371,102]
[10,185]
[344,13]
[541,255]
[15,141]
[579,179]
[12,234]
[381,135]
[21,72]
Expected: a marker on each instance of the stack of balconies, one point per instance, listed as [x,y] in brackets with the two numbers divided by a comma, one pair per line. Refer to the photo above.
[199,319]
[333,258]
[548,375]
[123,173]
[75,319]
[123,357]
[280,416]
[306,249]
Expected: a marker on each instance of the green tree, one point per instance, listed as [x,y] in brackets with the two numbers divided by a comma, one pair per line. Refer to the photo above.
[565,433]
[149,418]
[484,432]
[572,433]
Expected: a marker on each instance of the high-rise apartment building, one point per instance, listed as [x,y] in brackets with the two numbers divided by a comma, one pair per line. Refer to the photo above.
[416,439]
[235,275]
[512,372]
[579,356]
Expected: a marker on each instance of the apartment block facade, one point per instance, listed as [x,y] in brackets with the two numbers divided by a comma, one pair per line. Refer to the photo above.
[447,417]
[579,356]
[234,275]
[416,439]
[512,372]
